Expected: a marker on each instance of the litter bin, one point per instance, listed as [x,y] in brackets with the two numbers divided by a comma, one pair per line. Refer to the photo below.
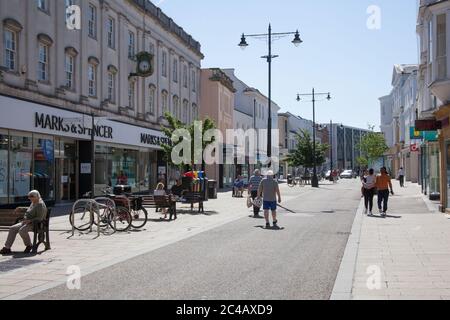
[212,189]
[121,189]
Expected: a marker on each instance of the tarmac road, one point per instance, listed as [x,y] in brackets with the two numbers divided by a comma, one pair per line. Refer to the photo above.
[241,260]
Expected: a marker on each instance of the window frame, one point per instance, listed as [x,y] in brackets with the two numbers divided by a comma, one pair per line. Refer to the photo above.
[71,72]
[151,99]
[43,63]
[111,33]
[92,22]
[131,45]
[175,70]
[131,94]
[111,87]
[164,64]
[7,51]
[92,82]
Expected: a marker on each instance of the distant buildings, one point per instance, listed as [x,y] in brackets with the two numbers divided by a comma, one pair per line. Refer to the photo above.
[398,114]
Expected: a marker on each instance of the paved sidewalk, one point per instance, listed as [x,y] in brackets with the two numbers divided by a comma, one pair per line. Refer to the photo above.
[24,275]
[405,256]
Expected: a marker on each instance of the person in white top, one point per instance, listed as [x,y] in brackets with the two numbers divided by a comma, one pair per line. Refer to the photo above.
[368,182]
[159,192]
[401,177]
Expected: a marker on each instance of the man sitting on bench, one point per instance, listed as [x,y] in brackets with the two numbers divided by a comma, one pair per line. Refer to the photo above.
[36,212]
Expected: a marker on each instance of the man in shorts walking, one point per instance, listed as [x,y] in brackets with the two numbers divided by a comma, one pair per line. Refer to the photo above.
[269,190]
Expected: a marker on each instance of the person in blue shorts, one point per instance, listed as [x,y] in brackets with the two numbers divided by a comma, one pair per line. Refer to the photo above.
[269,190]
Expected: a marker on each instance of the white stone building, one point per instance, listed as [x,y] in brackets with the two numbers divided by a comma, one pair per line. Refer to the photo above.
[251,112]
[51,72]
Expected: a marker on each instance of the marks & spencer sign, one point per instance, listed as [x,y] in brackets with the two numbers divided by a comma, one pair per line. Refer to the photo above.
[56,123]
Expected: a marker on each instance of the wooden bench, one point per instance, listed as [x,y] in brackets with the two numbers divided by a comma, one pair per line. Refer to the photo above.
[8,217]
[41,229]
[194,198]
[161,202]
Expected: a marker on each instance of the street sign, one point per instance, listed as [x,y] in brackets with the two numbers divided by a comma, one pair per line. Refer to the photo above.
[423,135]
[414,147]
[428,125]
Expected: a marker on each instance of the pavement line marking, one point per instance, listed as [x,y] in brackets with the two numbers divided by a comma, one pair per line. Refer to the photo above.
[343,285]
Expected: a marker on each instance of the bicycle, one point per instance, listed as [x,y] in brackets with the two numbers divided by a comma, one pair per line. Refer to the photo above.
[82,216]
[139,215]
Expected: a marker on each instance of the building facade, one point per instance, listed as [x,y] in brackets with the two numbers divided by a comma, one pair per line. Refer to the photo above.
[217,103]
[398,115]
[434,96]
[289,126]
[250,102]
[344,141]
[53,79]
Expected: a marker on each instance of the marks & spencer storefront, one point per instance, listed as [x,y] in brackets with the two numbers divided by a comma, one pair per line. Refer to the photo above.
[49,149]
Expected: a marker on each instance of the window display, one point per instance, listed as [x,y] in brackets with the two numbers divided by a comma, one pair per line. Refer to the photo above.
[20,167]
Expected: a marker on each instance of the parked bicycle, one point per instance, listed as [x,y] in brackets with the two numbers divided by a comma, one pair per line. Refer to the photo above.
[139,215]
[101,212]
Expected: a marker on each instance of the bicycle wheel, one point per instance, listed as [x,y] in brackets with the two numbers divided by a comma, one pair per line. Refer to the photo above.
[139,218]
[120,219]
[81,218]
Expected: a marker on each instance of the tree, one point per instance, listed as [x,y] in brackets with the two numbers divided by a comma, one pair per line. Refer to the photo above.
[373,146]
[302,156]
[175,124]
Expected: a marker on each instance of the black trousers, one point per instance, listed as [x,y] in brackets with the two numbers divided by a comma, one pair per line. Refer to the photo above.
[256,210]
[402,181]
[383,198]
[368,198]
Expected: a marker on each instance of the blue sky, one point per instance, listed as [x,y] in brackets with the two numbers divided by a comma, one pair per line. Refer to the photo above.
[339,54]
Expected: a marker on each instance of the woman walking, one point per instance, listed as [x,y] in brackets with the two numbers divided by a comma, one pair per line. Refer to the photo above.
[369,182]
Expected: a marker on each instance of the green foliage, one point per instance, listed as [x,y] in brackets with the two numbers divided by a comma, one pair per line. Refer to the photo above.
[175,124]
[372,146]
[303,155]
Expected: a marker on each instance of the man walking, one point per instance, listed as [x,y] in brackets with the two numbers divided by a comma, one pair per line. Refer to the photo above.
[383,184]
[401,177]
[269,190]
[253,186]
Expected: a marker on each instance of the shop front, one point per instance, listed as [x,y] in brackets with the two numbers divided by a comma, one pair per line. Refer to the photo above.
[49,149]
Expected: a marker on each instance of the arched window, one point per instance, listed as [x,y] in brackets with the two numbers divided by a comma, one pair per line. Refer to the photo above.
[185,111]
[176,107]
[164,102]
[195,115]
[151,100]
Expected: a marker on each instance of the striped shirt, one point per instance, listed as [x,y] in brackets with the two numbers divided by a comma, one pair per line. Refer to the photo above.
[254,182]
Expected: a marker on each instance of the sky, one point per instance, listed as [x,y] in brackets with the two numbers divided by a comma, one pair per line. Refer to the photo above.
[339,54]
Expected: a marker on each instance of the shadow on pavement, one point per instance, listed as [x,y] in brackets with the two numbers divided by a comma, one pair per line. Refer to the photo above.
[271,228]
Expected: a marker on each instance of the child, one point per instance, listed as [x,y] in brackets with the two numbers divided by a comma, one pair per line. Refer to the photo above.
[159,192]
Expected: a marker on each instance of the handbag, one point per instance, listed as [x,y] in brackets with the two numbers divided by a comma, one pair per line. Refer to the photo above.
[249,202]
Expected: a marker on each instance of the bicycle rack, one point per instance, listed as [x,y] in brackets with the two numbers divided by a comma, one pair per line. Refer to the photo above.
[93,206]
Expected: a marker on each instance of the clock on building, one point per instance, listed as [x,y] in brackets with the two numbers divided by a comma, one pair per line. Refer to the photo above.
[145,63]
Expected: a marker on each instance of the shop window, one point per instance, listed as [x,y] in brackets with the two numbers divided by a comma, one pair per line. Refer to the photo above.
[20,170]
[44,167]
[4,143]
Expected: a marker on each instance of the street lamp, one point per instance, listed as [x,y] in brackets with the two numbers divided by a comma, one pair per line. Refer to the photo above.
[243,45]
[315,180]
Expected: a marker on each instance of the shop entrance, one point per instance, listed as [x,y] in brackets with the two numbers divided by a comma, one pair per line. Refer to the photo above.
[66,172]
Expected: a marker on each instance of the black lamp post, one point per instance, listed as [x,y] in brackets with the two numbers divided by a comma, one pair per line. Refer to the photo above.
[243,44]
[314,180]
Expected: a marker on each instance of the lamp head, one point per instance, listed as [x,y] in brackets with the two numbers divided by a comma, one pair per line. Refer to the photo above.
[329,96]
[243,44]
[298,98]
[297,40]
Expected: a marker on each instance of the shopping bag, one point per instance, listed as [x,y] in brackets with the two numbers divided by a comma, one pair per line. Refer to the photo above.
[249,202]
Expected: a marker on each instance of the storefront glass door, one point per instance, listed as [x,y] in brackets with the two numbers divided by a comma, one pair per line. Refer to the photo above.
[66,171]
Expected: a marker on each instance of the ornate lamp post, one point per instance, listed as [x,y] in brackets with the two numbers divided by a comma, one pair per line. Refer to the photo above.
[314,180]
[269,36]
